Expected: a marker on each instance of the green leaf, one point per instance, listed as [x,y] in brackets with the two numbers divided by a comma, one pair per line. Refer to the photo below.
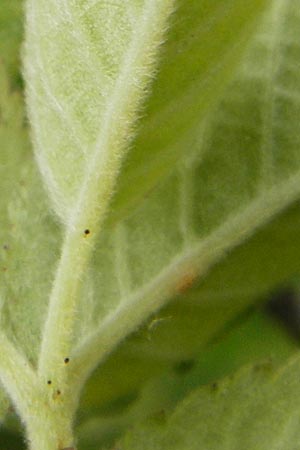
[89,93]
[241,169]
[179,336]
[166,243]
[254,338]
[27,234]
[256,409]
[81,160]
[10,36]
[246,171]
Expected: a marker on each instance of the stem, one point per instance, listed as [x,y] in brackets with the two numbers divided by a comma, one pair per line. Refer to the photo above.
[45,409]
[50,429]
[100,180]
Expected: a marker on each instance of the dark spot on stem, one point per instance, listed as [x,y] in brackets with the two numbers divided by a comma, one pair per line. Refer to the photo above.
[87,232]
[66,360]
[58,392]
[49,382]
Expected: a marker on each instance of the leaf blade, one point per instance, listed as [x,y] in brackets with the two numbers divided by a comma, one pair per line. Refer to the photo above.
[173,238]
[54,101]
[256,409]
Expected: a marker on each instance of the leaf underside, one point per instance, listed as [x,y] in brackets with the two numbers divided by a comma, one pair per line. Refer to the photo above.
[240,171]
[70,88]
[215,172]
[103,421]
[256,409]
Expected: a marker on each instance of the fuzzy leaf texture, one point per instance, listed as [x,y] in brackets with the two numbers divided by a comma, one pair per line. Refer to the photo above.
[257,409]
[197,212]
[83,57]
[77,202]
[198,179]
[178,334]
[243,172]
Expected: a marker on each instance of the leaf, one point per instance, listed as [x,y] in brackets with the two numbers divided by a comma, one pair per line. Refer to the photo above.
[247,171]
[257,409]
[81,181]
[27,234]
[179,338]
[255,338]
[163,231]
[250,274]
[141,250]
[90,92]
[10,37]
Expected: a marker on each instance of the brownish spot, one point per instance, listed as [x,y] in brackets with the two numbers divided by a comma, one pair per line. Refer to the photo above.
[4,269]
[87,232]
[186,282]
[49,382]
[56,395]
[66,360]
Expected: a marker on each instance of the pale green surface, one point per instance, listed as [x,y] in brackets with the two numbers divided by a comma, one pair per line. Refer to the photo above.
[154,236]
[248,170]
[181,330]
[240,169]
[74,61]
[256,409]
[27,234]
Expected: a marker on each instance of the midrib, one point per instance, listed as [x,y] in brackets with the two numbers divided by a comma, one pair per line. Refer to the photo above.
[196,260]
[99,182]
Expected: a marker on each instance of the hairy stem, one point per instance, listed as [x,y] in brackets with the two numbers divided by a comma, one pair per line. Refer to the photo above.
[50,429]
[90,211]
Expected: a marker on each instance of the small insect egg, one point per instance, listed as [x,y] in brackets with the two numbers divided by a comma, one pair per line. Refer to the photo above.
[66,360]
[49,382]
[87,232]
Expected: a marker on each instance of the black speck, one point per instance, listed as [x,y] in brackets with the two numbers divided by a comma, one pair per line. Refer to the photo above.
[214,386]
[49,382]
[66,360]
[184,366]
[87,232]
